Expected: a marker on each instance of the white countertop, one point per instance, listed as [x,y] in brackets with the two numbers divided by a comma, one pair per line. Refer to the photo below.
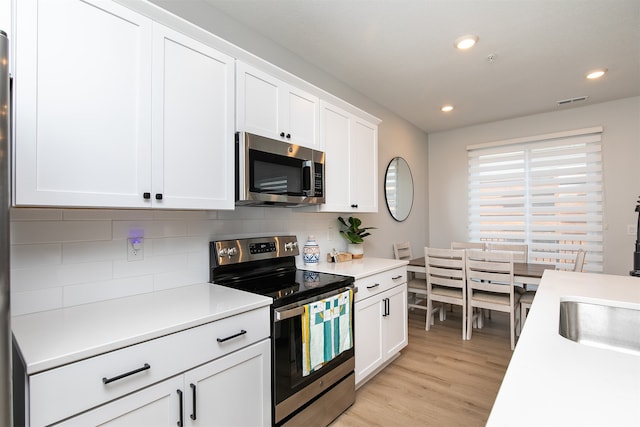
[52,338]
[357,268]
[554,381]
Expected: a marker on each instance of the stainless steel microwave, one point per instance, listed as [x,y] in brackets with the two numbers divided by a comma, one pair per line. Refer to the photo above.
[276,173]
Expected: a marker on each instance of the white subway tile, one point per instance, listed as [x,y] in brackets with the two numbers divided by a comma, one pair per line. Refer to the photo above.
[176,279]
[150,265]
[94,251]
[34,301]
[108,214]
[29,214]
[26,232]
[176,245]
[169,215]
[100,291]
[26,256]
[148,229]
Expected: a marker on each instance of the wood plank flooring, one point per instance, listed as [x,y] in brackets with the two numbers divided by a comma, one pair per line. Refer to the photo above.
[439,379]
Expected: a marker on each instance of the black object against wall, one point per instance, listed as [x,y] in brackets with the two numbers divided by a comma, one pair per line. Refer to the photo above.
[636,254]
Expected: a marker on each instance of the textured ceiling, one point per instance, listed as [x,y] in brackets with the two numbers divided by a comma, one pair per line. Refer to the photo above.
[400,53]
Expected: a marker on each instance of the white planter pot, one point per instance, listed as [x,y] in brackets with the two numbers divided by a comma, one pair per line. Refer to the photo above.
[356,249]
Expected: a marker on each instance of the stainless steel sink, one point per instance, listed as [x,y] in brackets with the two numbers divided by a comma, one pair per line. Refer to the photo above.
[601,325]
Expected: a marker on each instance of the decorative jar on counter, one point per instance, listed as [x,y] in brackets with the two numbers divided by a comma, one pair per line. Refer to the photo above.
[311,252]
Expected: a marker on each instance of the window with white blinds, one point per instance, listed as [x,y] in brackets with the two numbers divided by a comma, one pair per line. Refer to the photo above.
[545,191]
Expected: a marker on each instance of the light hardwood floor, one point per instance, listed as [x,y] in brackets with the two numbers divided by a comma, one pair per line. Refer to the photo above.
[439,379]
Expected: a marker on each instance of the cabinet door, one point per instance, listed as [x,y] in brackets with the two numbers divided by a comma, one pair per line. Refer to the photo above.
[335,137]
[234,390]
[258,102]
[300,117]
[395,330]
[83,117]
[368,336]
[351,149]
[158,405]
[193,158]
[270,107]
[363,156]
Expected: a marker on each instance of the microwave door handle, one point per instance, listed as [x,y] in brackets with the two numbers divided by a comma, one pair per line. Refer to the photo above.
[307,175]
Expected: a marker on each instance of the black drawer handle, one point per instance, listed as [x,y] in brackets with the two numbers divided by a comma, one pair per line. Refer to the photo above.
[397,277]
[242,332]
[193,390]
[180,422]
[106,380]
[373,286]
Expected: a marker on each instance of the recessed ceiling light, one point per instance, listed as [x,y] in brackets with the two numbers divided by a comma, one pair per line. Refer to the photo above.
[447,108]
[465,42]
[596,74]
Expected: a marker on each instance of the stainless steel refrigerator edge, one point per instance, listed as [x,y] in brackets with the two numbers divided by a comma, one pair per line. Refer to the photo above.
[5,186]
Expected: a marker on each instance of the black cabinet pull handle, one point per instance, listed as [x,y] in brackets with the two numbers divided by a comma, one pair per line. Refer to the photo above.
[288,136]
[180,422]
[282,134]
[373,286]
[106,380]
[146,195]
[242,332]
[396,277]
[193,390]
[158,196]
[354,206]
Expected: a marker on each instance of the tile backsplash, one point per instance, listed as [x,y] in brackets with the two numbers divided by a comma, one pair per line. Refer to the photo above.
[66,257]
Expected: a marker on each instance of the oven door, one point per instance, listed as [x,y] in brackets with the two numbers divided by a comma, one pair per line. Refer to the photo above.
[275,172]
[294,390]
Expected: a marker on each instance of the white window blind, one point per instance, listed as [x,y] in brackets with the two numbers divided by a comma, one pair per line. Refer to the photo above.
[544,191]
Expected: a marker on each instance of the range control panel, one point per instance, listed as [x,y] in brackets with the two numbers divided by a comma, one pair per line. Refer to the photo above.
[225,252]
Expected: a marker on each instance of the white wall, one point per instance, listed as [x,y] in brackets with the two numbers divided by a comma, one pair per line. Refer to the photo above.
[64,257]
[621,159]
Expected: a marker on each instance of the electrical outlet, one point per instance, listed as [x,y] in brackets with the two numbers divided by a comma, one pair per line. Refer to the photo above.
[330,234]
[631,230]
[135,249]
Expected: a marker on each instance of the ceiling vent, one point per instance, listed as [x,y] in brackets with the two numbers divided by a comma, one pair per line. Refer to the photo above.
[571,100]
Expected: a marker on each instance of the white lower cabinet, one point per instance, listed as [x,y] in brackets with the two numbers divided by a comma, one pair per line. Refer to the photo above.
[228,361]
[380,321]
[230,391]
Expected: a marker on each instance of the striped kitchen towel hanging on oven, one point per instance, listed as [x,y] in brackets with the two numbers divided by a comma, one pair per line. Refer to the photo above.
[326,330]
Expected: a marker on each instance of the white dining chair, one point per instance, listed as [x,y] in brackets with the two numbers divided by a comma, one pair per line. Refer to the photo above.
[416,286]
[469,245]
[527,298]
[490,287]
[446,282]
[520,251]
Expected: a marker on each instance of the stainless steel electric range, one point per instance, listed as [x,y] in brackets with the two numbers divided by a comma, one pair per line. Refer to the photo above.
[267,266]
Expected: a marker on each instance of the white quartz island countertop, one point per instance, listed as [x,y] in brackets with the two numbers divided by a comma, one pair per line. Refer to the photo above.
[53,338]
[357,268]
[553,381]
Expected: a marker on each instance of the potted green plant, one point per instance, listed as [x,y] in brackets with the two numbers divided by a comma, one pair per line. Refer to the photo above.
[353,231]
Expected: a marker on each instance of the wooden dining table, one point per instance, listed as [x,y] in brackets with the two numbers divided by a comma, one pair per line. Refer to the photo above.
[523,272]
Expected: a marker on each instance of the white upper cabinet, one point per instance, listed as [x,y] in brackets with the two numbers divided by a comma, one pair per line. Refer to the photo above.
[351,166]
[192,132]
[113,110]
[270,107]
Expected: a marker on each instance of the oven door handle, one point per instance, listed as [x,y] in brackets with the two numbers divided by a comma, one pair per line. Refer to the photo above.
[286,314]
[297,309]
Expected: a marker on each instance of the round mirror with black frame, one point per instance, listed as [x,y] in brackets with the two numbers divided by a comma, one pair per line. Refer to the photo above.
[398,188]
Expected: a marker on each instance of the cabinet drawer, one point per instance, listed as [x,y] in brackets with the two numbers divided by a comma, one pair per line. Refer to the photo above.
[380,282]
[67,390]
